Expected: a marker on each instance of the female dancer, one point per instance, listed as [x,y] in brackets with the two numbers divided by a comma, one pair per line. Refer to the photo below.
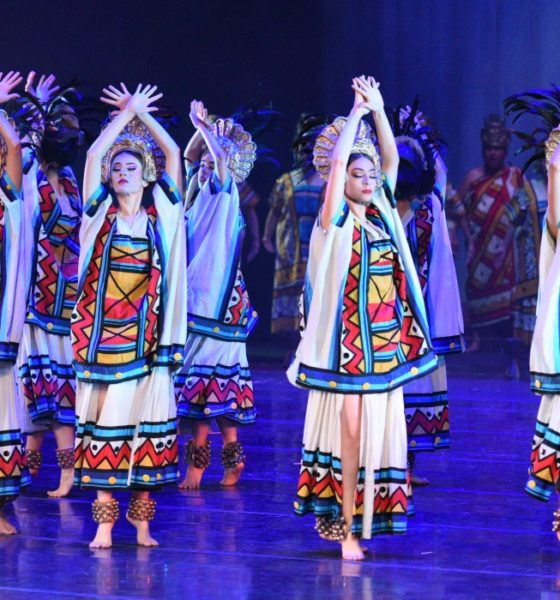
[53,214]
[215,381]
[365,336]
[544,474]
[12,304]
[420,194]
[129,326]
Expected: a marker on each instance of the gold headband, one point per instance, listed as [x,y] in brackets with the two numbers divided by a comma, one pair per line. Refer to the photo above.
[136,138]
[241,151]
[363,144]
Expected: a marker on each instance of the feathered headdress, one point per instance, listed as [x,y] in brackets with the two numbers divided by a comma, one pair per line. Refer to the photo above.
[419,143]
[545,105]
[308,127]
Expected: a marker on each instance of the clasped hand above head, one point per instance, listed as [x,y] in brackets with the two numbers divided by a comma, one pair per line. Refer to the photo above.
[367,96]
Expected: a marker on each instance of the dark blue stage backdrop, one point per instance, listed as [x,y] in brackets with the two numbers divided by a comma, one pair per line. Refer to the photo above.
[462,57]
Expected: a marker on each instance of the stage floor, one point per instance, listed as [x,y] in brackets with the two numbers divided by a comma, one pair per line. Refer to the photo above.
[476,534]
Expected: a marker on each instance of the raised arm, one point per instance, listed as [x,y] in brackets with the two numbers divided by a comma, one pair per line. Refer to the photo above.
[8,133]
[553,214]
[194,149]
[120,99]
[339,159]
[199,117]
[369,89]
[168,145]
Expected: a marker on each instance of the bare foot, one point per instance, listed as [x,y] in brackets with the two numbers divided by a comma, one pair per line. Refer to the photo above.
[6,528]
[418,481]
[351,549]
[231,476]
[143,537]
[103,537]
[192,479]
[66,483]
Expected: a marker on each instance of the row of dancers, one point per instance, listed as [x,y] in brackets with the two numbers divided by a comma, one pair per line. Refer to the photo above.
[127,314]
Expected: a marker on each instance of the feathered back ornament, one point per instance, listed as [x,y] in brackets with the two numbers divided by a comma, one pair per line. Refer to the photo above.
[136,139]
[419,143]
[308,127]
[544,104]
[237,143]
[363,144]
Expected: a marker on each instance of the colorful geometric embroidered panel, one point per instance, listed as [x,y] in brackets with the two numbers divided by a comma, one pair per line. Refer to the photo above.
[545,462]
[207,392]
[319,491]
[427,421]
[103,455]
[49,389]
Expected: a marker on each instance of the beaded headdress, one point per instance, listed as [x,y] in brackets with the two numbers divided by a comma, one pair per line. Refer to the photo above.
[136,138]
[240,150]
[363,144]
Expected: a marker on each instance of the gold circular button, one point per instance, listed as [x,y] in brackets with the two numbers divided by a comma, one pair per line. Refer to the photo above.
[302,376]
[207,411]
[236,334]
[538,383]
[87,374]
[437,441]
[145,368]
[112,480]
[332,384]
[86,479]
[191,323]
[365,386]
[255,313]
[178,356]
[296,505]
[9,186]
[50,326]
[158,476]
[94,202]
[452,345]
[29,315]
[216,329]
[413,444]
[414,371]
[171,188]
[118,375]
[154,356]
[532,484]
[146,478]
[234,405]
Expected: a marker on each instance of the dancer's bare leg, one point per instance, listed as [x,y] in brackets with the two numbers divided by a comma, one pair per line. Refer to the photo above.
[34,443]
[193,477]
[103,537]
[64,435]
[228,430]
[138,516]
[350,425]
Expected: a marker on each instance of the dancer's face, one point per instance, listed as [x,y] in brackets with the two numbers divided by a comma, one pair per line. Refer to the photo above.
[207,166]
[126,174]
[494,158]
[360,180]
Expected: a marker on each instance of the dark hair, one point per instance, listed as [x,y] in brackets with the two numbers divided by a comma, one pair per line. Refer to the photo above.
[408,180]
[355,156]
[134,153]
